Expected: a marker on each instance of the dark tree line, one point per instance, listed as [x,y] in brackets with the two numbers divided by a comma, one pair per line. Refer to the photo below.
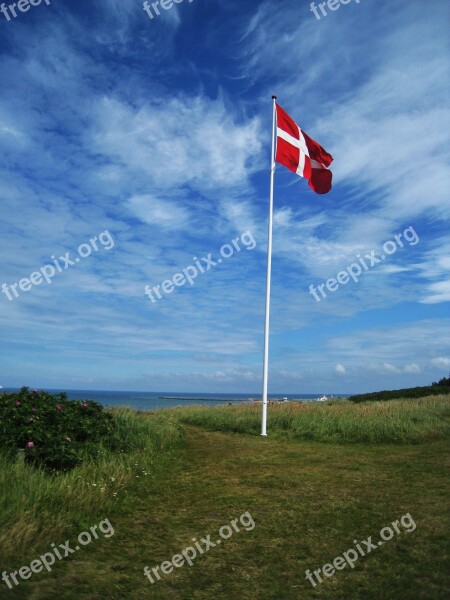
[436,388]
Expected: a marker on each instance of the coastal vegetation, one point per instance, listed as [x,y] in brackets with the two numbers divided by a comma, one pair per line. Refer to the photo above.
[38,505]
[435,389]
[328,474]
[338,421]
[52,431]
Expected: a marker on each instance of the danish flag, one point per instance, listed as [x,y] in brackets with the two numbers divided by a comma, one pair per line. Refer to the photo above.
[301,154]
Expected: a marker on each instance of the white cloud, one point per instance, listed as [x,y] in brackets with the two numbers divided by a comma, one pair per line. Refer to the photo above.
[184,141]
[340,369]
[283,217]
[125,133]
[437,292]
[388,368]
[371,131]
[412,368]
[441,362]
[168,214]
[394,269]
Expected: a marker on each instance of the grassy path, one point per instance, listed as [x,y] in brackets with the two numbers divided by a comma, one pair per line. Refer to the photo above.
[309,502]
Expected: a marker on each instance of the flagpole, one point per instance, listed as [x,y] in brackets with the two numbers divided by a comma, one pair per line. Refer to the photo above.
[269,276]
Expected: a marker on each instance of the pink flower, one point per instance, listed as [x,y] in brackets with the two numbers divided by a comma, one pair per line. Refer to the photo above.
[18,403]
[30,444]
[58,407]
[34,410]
[84,404]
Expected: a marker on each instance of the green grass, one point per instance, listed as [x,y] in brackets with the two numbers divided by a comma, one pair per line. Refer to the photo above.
[402,421]
[309,501]
[37,509]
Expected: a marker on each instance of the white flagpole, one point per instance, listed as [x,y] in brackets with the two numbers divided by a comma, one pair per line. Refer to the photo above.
[269,275]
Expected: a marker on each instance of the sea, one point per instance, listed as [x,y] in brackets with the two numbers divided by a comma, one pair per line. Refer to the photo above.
[157,400]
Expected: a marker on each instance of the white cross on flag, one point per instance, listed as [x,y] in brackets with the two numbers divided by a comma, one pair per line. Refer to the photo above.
[301,154]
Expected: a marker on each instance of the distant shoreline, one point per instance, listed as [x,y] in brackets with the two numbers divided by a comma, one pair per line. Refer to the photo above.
[149,401]
[205,399]
[241,400]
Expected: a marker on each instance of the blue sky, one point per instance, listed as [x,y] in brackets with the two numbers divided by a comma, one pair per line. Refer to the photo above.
[158,131]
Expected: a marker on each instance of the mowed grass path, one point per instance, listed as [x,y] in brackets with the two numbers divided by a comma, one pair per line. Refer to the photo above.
[309,500]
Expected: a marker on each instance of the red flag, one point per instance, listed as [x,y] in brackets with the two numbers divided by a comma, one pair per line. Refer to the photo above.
[301,154]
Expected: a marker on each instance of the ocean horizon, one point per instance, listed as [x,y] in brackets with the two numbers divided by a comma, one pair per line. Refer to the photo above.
[158,400]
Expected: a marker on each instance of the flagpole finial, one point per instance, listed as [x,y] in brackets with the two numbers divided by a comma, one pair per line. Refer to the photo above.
[274,97]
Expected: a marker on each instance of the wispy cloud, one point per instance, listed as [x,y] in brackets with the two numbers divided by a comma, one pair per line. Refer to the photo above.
[159,132]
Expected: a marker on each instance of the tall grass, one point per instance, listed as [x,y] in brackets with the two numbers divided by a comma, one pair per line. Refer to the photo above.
[401,421]
[37,509]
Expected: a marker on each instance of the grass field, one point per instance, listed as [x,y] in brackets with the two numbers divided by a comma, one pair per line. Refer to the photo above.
[402,421]
[309,500]
[37,509]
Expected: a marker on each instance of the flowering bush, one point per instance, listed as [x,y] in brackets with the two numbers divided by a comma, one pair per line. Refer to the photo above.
[53,431]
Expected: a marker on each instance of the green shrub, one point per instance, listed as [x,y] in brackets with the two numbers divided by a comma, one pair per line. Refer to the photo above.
[417,392]
[435,389]
[51,430]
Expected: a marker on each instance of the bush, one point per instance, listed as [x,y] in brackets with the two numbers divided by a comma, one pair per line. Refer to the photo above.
[436,389]
[53,431]
[444,382]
